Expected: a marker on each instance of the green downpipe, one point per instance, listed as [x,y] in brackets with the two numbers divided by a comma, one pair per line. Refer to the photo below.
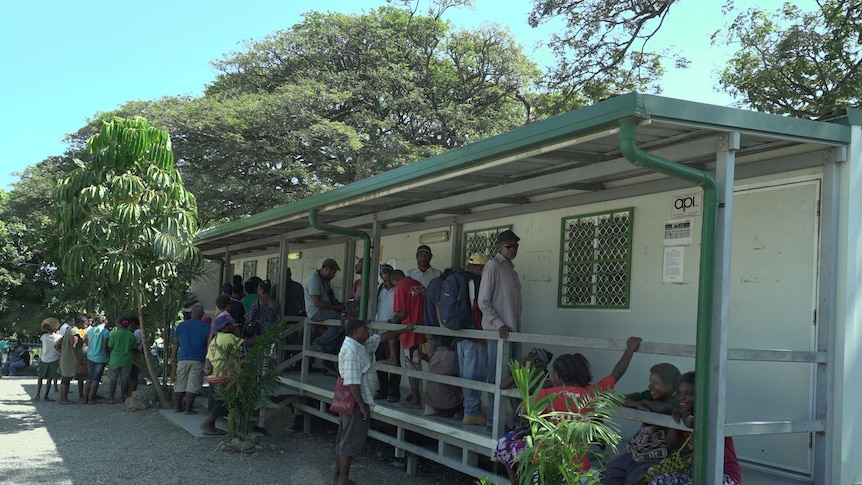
[703,347]
[366,255]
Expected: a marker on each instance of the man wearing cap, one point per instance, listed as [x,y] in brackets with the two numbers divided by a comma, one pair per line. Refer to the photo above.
[354,362]
[424,272]
[188,355]
[500,298]
[321,304]
[473,354]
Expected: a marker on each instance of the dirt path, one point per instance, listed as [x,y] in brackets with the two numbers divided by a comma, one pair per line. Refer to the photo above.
[45,442]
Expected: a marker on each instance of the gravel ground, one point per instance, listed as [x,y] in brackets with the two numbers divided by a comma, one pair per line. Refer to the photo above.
[45,442]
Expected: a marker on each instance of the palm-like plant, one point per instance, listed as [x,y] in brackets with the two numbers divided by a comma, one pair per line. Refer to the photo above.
[253,379]
[559,440]
[127,224]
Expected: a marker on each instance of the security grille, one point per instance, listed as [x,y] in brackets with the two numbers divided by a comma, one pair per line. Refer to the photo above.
[595,260]
[249,269]
[272,270]
[481,241]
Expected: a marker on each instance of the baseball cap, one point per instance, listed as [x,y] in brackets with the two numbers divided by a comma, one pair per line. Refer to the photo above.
[424,247]
[222,322]
[227,288]
[386,268]
[507,235]
[331,264]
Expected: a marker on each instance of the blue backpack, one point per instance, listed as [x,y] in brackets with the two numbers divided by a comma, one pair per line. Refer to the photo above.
[456,307]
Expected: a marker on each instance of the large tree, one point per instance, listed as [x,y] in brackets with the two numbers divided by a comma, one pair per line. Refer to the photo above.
[602,48]
[127,223]
[803,64]
[334,99]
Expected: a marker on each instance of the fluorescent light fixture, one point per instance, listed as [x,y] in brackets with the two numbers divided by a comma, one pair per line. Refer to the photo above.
[294,255]
[434,237]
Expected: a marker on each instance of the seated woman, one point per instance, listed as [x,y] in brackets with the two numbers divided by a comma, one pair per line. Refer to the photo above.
[571,378]
[684,414]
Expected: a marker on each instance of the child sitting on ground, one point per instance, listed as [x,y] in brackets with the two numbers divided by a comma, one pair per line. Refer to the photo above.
[684,414]
[649,445]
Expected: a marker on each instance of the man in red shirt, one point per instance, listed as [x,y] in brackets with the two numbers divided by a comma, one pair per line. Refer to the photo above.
[409,306]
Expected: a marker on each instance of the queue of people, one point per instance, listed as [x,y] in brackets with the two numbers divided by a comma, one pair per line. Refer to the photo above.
[414,298]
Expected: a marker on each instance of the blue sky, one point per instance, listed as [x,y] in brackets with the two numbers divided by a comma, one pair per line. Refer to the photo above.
[63,61]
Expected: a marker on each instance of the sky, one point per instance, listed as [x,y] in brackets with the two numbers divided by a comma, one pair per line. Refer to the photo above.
[62,62]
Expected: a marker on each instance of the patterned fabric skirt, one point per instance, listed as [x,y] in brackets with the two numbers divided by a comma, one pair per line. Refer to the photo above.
[683,477]
[511,445]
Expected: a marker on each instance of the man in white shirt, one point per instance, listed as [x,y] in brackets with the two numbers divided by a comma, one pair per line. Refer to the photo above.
[424,272]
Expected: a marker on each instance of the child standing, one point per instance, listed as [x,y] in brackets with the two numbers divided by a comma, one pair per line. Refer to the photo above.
[49,365]
[215,367]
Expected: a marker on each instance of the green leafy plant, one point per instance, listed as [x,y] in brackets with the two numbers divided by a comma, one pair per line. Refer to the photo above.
[253,379]
[559,440]
[127,224]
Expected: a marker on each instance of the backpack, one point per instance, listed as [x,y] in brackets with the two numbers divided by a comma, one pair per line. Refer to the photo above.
[456,306]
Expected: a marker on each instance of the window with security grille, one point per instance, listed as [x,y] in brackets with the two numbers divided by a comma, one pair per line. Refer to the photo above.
[481,241]
[595,260]
[249,269]
[272,270]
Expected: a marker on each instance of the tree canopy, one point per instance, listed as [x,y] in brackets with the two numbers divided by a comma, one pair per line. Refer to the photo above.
[338,98]
[803,64]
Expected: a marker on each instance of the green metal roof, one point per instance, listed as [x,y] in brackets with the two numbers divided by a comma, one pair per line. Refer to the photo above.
[559,144]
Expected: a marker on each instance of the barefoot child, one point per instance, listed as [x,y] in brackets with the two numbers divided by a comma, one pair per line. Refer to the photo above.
[49,364]
[215,367]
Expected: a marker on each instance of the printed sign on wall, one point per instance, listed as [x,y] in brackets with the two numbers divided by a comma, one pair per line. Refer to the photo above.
[687,205]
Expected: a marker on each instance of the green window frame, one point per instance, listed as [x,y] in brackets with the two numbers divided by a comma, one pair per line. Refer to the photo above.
[480,241]
[595,260]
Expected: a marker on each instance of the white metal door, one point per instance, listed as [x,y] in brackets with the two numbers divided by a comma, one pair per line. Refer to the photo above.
[772,303]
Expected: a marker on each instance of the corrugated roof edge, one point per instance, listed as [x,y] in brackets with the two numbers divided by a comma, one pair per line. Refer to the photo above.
[576,123]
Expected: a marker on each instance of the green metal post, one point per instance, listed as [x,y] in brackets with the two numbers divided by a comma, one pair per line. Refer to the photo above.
[366,255]
[703,347]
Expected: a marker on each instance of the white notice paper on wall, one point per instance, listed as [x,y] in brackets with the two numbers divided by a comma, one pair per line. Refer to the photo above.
[677,232]
[673,268]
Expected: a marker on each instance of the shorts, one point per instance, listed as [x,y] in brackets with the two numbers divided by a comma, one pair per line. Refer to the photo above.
[48,370]
[119,373]
[352,433]
[95,370]
[189,376]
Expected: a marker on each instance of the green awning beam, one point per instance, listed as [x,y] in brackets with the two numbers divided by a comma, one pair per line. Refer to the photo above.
[703,346]
[366,255]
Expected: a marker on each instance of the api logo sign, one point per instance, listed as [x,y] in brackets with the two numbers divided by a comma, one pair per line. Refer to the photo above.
[687,205]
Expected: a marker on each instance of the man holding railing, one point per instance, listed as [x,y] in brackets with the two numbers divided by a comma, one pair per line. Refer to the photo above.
[500,300]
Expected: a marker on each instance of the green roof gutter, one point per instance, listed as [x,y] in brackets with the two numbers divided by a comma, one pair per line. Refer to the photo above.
[703,347]
[366,255]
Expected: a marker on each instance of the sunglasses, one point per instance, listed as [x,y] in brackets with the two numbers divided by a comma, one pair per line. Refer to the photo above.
[511,246]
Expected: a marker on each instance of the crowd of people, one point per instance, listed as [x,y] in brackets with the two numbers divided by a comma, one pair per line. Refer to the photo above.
[416,297]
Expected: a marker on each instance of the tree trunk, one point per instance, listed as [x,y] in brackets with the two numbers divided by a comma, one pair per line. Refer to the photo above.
[151,369]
